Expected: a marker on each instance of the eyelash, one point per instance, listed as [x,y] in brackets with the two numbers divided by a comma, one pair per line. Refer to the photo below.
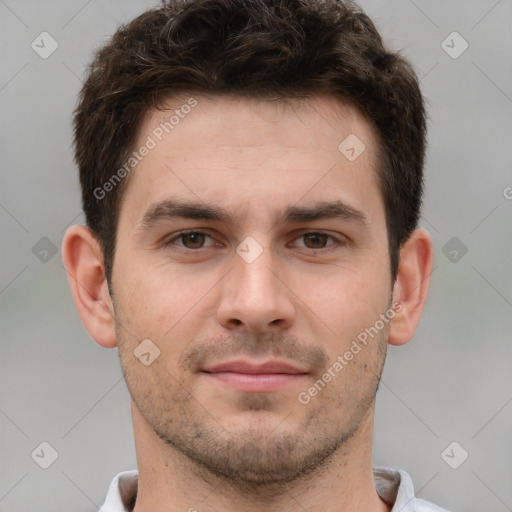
[338,242]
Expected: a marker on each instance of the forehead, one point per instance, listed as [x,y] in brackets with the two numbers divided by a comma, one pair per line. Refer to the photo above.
[318,121]
[234,150]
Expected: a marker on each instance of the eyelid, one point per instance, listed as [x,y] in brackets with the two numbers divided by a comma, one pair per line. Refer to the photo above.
[337,239]
[340,240]
[176,236]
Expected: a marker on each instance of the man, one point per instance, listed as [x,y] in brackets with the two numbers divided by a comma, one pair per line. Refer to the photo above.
[251,176]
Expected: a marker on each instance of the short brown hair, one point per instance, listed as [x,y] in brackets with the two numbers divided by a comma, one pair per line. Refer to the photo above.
[255,48]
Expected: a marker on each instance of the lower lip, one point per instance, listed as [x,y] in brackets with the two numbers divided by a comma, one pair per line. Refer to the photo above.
[257,382]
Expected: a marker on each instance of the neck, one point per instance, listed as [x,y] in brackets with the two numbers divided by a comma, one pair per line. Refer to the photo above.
[171,482]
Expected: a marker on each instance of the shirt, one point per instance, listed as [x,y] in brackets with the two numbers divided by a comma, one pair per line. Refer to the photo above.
[393,486]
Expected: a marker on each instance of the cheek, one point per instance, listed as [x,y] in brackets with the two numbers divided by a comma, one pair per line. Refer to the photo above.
[345,301]
[164,306]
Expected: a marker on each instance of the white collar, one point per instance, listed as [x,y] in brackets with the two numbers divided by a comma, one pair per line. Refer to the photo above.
[393,486]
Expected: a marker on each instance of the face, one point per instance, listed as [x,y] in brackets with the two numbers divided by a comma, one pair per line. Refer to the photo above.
[252,252]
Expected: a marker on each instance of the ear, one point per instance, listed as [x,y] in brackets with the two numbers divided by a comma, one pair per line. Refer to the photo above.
[411,286]
[83,259]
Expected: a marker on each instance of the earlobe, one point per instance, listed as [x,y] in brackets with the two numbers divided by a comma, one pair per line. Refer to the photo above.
[411,286]
[83,259]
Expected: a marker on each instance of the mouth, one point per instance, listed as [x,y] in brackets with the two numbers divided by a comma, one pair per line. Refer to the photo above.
[248,376]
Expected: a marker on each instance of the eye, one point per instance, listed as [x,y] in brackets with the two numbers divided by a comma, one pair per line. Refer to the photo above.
[191,240]
[195,240]
[317,240]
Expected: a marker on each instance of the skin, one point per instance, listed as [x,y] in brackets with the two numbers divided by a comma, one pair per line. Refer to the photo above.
[207,445]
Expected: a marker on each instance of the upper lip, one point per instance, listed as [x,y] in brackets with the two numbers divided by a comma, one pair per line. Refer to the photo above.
[244,366]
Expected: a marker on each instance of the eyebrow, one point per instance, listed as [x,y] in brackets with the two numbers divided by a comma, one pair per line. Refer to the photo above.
[174,208]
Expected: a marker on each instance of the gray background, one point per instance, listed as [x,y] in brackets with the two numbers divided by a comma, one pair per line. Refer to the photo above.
[451,383]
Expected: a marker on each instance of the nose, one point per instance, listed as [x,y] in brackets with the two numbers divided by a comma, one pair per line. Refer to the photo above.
[255,297]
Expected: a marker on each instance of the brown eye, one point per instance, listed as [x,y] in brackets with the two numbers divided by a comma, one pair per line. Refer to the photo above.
[315,240]
[319,242]
[192,240]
